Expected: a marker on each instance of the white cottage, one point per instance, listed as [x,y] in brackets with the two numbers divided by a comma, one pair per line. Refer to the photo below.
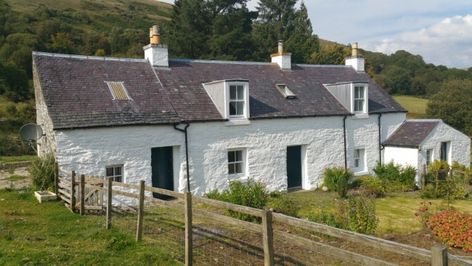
[419,142]
[199,124]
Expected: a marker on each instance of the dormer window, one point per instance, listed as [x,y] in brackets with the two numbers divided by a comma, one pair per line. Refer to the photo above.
[236,100]
[359,99]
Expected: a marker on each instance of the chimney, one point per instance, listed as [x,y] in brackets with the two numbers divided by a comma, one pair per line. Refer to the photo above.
[284,60]
[155,52]
[356,61]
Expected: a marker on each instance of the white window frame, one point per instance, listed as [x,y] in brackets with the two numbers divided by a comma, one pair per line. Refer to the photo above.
[359,160]
[364,99]
[114,175]
[243,162]
[429,156]
[245,100]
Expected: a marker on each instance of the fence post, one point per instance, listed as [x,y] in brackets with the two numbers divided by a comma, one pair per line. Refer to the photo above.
[72,192]
[82,194]
[188,229]
[109,199]
[56,179]
[439,255]
[268,240]
[139,229]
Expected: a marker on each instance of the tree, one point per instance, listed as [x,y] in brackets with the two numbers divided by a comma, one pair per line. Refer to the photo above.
[276,21]
[453,104]
[189,29]
[231,30]
[302,43]
[397,80]
[332,54]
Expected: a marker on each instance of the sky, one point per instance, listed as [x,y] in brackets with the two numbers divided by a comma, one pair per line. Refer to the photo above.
[438,30]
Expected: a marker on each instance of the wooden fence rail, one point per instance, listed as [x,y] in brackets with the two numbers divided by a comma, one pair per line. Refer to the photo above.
[67,192]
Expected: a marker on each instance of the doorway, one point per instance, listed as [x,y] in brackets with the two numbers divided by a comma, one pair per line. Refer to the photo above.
[294,167]
[162,169]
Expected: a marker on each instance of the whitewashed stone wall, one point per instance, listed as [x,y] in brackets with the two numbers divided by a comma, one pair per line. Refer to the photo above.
[460,145]
[88,151]
[402,156]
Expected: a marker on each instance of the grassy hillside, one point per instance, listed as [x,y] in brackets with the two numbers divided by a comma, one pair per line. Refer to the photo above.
[416,106]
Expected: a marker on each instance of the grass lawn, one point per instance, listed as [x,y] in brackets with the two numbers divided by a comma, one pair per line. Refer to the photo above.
[416,106]
[396,212]
[23,158]
[49,234]
[16,177]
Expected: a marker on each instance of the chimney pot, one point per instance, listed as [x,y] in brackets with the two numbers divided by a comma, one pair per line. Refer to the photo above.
[154,35]
[355,49]
[281,47]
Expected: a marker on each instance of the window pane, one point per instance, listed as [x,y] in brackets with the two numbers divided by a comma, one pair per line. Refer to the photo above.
[118,170]
[356,163]
[231,169]
[239,156]
[109,171]
[118,179]
[232,93]
[239,108]
[239,168]
[231,157]
[240,92]
[232,108]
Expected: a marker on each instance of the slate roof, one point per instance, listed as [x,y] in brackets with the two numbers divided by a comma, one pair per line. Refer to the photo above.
[77,96]
[411,133]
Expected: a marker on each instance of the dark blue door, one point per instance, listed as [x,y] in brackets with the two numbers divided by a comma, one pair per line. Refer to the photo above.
[294,166]
[162,169]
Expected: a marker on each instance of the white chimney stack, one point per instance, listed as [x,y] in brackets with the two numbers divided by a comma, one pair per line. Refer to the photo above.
[155,52]
[356,61]
[284,60]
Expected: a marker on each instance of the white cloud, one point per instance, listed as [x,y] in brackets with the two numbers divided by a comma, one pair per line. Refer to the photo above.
[448,42]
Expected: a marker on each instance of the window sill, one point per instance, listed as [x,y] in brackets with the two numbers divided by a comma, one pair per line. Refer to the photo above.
[240,177]
[361,116]
[238,122]
[360,173]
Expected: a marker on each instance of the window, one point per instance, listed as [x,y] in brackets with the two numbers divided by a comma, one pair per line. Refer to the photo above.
[359,159]
[235,162]
[429,156]
[445,151]
[118,90]
[236,100]
[115,171]
[359,99]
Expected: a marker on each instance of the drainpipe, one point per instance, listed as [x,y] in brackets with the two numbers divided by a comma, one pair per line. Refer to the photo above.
[380,138]
[185,131]
[345,142]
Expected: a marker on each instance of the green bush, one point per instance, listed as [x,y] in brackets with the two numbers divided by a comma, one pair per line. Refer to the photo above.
[396,178]
[337,179]
[42,170]
[371,186]
[250,193]
[361,215]
[326,217]
[441,183]
[281,203]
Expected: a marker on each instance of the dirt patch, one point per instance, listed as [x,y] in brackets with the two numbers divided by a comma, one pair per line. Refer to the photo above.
[7,182]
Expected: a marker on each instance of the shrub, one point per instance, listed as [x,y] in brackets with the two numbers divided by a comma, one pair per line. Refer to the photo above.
[440,183]
[250,193]
[326,217]
[281,203]
[42,170]
[452,228]
[361,215]
[371,186]
[424,212]
[396,178]
[337,179]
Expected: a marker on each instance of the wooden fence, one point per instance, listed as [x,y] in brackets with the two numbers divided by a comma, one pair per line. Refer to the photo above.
[88,194]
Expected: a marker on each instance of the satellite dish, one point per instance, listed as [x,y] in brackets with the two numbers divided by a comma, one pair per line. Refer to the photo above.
[31,132]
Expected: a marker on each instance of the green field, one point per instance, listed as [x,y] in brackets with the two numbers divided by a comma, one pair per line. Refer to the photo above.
[49,234]
[416,106]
